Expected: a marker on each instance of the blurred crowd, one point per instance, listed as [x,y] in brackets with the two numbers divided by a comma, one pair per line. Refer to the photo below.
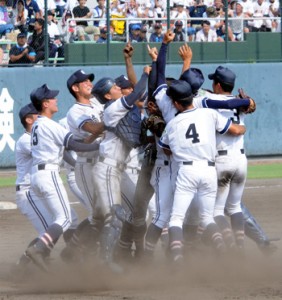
[22,21]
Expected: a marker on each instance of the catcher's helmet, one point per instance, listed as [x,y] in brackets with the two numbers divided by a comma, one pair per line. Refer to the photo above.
[102,87]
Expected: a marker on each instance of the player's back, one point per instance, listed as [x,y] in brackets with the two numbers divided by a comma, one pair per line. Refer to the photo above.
[192,134]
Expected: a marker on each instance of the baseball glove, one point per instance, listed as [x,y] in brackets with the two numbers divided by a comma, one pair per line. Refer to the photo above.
[155,124]
[252,107]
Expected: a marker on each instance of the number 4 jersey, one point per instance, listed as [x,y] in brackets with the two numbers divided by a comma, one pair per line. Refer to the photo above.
[191,135]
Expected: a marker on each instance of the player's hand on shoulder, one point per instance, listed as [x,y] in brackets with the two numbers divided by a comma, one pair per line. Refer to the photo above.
[168,37]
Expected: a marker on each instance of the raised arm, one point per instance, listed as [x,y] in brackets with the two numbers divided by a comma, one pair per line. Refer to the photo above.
[186,54]
[128,53]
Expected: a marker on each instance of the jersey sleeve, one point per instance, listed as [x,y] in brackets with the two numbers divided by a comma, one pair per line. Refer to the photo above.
[164,140]
[164,103]
[116,111]
[222,123]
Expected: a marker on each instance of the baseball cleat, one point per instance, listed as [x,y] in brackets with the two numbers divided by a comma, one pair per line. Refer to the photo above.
[37,258]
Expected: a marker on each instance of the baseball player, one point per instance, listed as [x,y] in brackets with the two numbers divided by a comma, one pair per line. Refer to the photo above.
[111,163]
[204,98]
[48,140]
[32,210]
[84,121]
[164,170]
[190,138]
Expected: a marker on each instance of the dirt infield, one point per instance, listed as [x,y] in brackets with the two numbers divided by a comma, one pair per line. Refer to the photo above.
[202,277]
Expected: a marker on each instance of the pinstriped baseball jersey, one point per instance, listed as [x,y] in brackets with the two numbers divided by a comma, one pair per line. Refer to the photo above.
[23,159]
[226,142]
[191,134]
[77,116]
[50,148]
[112,146]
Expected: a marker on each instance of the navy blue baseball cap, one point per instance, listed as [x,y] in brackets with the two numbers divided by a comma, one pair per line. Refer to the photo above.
[21,35]
[194,77]
[179,90]
[102,87]
[77,77]
[223,75]
[28,109]
[123,82]
[43,93]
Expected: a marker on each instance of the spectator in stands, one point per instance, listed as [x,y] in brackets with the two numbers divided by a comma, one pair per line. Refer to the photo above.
[6,25]
[197,11]
[157,36]
[237,26]
[71,4]
[21,54]
[96,33]
[69,30]
[33,13]
[56,40]
[20,16]
[178,30]
[206,34]
[60,7]
[131,13]
[51,5]
[160,8]
[82,11]
[37,40]
[274,11]
[248,8]
[261,9]
[180,13]
[103,36]
[134,33]
[143,33]
[100,12]
[144,9]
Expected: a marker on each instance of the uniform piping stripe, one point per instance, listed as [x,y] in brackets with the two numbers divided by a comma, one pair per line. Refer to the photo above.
[61,198]
[85,185]
[228,124]
[158,210]
[67,138]
[124,103]
[84,121]
[37,210]
[127,202]
[162,86]
[162,145]
[108,183]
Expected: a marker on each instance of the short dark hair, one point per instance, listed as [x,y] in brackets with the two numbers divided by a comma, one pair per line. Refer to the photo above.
[227,87]
[40,21]
[23,120]
[206,22]
[184,102]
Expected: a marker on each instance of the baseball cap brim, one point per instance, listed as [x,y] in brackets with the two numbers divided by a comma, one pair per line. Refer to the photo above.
[79,77]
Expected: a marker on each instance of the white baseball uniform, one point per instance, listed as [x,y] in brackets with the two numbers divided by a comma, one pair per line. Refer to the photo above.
[77,116]
[48,142]
[34,211]
[191,138]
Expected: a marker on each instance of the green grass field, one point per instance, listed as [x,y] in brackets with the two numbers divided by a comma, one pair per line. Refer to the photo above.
[265,171]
